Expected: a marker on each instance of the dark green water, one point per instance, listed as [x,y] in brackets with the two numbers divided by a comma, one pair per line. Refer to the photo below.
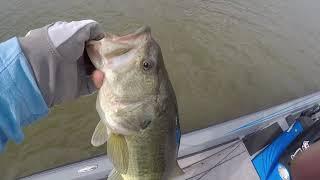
[225,58]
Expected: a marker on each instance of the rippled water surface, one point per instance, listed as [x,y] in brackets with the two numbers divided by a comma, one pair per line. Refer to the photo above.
[225,58]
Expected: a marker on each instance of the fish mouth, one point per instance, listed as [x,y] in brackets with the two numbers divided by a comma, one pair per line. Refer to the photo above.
[114,50]
[123,49]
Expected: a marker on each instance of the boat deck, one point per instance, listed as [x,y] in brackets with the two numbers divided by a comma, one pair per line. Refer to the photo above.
[228,162]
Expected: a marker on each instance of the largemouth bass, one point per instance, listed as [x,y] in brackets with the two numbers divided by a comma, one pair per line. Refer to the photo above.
[137,106]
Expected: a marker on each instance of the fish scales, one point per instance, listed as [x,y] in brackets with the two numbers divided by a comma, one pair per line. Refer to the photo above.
[137,106]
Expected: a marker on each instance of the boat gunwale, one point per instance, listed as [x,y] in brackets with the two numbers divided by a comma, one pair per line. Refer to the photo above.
[197,141]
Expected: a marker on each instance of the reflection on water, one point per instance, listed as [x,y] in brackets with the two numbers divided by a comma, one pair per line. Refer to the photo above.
[226,58]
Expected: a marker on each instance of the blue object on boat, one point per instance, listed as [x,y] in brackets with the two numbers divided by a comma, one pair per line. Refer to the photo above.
[267,161]
[178,133]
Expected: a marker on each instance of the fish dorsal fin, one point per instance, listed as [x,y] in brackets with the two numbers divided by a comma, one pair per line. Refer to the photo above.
[100,135]
[117,151]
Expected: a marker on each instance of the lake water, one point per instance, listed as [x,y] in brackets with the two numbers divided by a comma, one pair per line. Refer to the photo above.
[226,58]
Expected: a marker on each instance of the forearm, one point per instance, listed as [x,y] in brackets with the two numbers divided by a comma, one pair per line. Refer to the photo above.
[45,68]
[21,101]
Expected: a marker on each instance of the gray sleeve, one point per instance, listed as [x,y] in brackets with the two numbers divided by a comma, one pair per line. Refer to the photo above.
[58,79]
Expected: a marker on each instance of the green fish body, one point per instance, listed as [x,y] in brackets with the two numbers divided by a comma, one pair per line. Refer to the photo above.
[137,107]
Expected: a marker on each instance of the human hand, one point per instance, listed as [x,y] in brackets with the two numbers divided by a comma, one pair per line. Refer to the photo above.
[97,78]
[60,65]
[306,165]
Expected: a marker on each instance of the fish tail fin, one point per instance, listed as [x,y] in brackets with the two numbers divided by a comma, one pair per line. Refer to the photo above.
[115,175]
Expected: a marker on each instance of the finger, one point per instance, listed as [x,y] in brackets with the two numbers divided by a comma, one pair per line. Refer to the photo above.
[97,78]
[86,84]
[60,31]
[89,67]
[96,31]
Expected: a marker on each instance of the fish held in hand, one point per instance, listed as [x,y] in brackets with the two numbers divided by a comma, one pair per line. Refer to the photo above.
[137,106]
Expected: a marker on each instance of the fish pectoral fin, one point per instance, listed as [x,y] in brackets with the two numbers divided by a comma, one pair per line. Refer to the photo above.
[115,175]
[117,150]
[100,135]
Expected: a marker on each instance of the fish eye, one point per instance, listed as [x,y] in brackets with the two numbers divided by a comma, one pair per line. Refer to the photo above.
[146,65]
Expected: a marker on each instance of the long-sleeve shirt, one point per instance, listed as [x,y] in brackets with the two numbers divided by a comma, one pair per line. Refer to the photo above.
[21,101]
